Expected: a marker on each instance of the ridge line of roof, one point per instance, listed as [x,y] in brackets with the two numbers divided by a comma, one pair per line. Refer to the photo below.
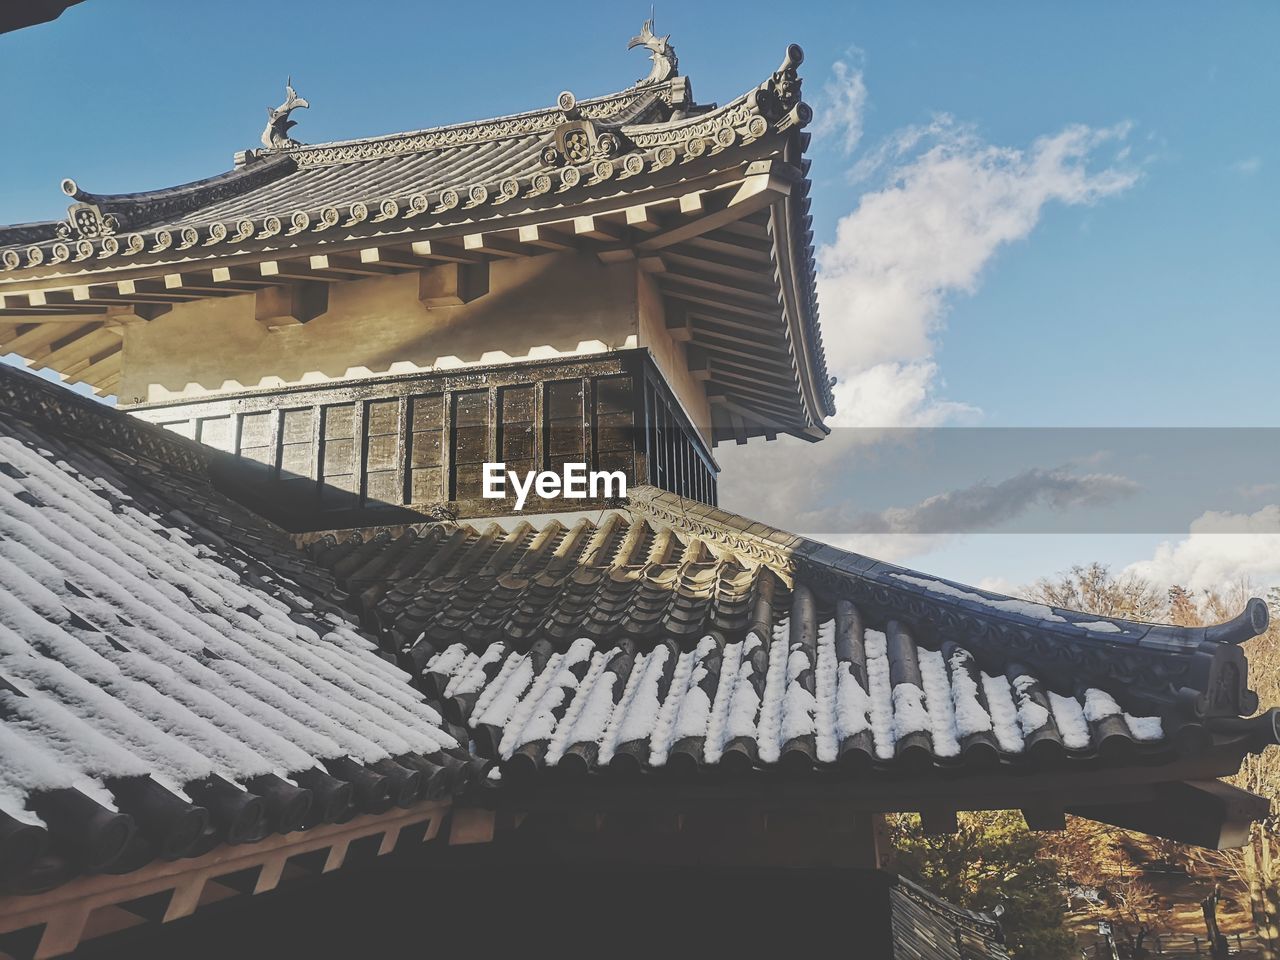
[589,108]
[23,394]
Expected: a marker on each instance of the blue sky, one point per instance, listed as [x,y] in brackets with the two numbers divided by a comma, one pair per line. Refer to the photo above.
[1137,287]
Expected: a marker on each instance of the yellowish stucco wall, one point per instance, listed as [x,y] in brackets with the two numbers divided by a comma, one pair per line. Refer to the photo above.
[669,355]
[537,308]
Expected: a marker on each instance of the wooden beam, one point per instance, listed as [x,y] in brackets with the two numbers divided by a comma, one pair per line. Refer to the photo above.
[752,292]
[783,377]
[52,314]
[727,403]
[391,258]
[740,329]
[494,244]
[596,228]
[285,272]
[242,277]
[201,283]
[436,250]
[150,290]
[710,264]
[728,348]
[118,318]
[735,248]
[765,183]
[39,303]
[101,365]
[297,303]
[60,916]
[675,287]
[74,348]
[353,266]
[644,218]
[39,339]
[536,235]
[692,204]
[677,323]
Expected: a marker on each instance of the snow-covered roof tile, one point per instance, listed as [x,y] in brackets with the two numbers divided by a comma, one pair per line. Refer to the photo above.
[163,689]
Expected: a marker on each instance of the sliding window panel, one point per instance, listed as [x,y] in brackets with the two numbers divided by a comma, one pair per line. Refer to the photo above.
[338,489]
[516,434]
[382,486]
[564,419]
[426,449]
[615,424]
[470,443]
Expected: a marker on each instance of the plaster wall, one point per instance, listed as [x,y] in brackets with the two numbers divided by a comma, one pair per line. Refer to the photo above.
[539,307]
[670,355]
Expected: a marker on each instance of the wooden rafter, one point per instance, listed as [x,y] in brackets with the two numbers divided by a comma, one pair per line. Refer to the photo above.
[67,913]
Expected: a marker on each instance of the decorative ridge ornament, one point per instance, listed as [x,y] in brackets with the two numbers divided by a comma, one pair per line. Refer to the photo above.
[276,134]
[661,52]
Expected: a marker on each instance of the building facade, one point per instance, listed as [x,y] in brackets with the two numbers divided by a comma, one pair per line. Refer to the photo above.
[263,620]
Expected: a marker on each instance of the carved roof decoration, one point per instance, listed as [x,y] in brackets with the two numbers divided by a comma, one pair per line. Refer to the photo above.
[661,52]
[645,146]
[257,202]
[276,135]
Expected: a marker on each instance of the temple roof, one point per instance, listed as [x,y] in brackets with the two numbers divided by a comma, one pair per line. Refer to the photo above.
[417,165]
[711,200]
[165,688]
[635,654]
[676,634]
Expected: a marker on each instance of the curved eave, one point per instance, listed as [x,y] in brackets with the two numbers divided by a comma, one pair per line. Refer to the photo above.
[1191,675]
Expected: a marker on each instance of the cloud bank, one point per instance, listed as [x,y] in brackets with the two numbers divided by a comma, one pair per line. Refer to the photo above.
[948,203]
[1222,548]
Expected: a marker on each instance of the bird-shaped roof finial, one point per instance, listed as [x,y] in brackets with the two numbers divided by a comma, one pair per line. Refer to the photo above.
[276,135]
[661,52]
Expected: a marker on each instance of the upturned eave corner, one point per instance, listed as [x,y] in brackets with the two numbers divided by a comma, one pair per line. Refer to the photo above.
[1196,678]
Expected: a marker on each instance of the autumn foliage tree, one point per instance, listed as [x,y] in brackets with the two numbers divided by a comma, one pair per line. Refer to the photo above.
[993,860]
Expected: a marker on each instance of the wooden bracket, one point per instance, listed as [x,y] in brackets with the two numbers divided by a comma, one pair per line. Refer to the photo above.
[452,284]
[297,303]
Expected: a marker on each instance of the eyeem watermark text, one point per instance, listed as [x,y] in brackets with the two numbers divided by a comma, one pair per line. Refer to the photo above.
[575,483]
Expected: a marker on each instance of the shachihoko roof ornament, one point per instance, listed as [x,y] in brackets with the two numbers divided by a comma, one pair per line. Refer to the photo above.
[661,52]
[275,136]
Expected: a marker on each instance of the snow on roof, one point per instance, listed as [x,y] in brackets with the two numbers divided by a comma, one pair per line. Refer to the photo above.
[136,644]
[696,701]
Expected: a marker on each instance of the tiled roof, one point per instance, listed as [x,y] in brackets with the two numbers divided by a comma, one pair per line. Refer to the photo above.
[175,673]
[926,927]
[340,173]
[674,635]
[164,687]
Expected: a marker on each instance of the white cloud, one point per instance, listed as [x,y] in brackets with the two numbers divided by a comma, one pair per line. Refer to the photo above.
[941,203]
[950,202]
[844,101]
[1222,548]
[1247,167]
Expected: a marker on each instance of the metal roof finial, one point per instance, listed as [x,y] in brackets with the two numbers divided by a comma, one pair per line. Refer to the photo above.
[661,52]
[276,135]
